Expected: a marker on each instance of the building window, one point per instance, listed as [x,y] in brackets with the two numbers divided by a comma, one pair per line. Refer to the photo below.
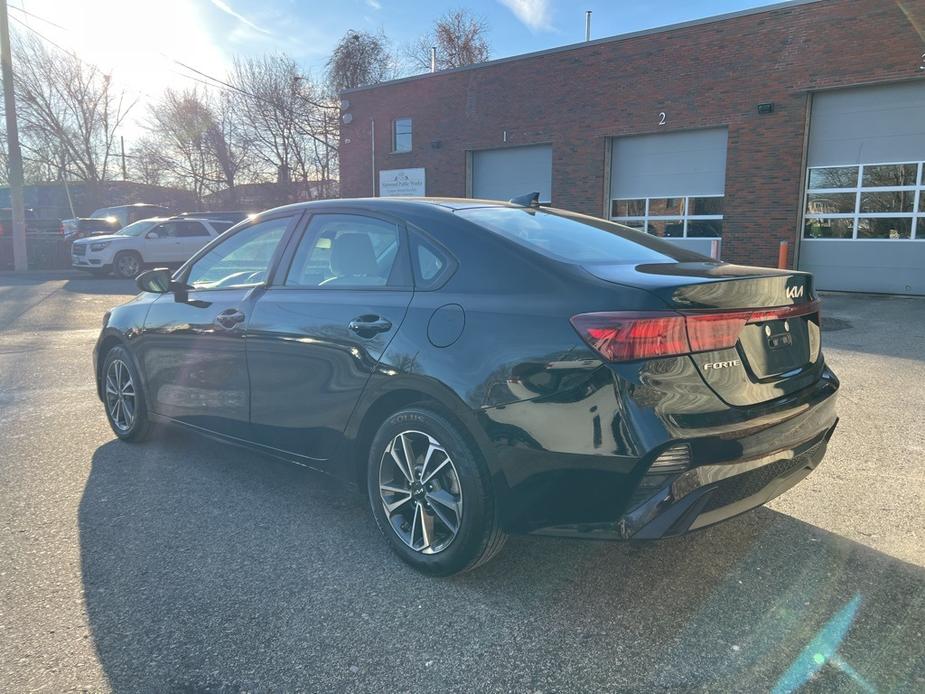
[681,217]
[871,201]
[401,135]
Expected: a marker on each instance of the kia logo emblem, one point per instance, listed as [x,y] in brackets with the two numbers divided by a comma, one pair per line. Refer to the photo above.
[794,292]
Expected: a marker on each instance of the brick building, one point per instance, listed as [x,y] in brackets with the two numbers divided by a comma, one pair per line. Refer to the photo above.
[802,121]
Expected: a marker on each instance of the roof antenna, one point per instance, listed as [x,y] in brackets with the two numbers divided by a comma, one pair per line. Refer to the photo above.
[528,200]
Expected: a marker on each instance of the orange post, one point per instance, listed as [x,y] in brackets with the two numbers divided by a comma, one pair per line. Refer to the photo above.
[782,254]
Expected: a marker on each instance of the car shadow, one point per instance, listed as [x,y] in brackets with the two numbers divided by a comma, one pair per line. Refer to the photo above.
[206,568]
[107,284]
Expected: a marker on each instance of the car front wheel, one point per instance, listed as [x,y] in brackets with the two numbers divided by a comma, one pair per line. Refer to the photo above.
[127,264]
[430,494]
[124,397]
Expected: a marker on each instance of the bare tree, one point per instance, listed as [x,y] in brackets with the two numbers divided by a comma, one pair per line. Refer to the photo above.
[360,59]
[149,162]
[68,110]
[286,117]
[180,125]
[460,39]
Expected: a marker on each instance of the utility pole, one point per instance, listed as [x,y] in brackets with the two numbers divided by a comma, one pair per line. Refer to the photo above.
[12,139]
[124,174]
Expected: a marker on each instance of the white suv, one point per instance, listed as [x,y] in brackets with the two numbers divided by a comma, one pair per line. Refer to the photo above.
[146,242]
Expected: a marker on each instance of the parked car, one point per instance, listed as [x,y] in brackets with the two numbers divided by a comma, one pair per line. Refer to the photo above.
[128,214]
[82,227]
[34,224]
[149,241]
[224,216]
[46,247]
[481,369]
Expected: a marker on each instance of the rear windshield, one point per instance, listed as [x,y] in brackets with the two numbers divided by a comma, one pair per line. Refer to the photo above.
[576,238]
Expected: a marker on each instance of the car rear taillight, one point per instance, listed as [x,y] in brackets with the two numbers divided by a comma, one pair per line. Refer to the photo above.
[630,335]
[625,336]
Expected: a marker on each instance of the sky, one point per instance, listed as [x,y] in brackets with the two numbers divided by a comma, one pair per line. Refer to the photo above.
[141,40]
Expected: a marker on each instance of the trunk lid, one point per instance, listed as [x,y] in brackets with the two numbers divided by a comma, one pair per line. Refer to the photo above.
[777,351]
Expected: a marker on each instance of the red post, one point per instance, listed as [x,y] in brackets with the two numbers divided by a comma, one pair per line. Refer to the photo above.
[782,255]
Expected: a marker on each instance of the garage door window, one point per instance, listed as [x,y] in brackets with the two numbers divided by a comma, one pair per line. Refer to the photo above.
[871,201]
[682,217]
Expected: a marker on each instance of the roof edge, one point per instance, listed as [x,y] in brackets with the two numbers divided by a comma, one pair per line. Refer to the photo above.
[595,42]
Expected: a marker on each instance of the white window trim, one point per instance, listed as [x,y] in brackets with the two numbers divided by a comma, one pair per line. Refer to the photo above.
[917,215]
[683,217]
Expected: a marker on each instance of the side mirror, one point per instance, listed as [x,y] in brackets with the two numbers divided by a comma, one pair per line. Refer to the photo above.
[157,281]
[152,235]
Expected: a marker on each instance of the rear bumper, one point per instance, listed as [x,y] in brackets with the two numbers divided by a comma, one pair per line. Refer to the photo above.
[710,494]
[604,484]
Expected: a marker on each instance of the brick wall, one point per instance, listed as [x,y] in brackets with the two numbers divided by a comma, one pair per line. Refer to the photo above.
[704,75]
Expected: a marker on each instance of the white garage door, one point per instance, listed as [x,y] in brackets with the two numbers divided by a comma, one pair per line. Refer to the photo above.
[671,185]
[864,228]
[502,174]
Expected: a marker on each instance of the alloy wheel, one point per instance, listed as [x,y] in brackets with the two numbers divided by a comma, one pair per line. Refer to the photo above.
[420,492]
[128,265]
[120,395]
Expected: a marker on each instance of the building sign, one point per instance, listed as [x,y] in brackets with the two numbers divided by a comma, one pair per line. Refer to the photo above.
[401,182]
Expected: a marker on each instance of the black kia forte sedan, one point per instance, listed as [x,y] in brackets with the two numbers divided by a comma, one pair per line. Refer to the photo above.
[483,368]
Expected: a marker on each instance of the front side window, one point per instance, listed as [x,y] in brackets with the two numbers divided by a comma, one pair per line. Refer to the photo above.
[345,251]
[163,231]
[243,260]
[401,135]
[136,229]
[870,201]
[675,217]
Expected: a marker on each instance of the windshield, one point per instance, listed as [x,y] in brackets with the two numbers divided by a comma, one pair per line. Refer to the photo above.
[576,238]
[137,228]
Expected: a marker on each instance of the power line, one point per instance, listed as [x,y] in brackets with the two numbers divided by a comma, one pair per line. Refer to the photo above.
[48,40]
[35,16]
[178,62]
[214,80]
[238,89]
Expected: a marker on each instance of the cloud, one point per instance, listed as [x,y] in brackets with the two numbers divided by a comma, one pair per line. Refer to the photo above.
[227,9]
[536,15]
[375,4]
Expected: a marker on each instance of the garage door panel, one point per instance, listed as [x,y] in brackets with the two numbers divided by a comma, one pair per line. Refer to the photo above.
[501,174]
[870,125]
[865,266]
[864,141]
[670,164]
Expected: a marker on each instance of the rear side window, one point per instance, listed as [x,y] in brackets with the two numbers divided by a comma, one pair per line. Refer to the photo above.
[432,263]
[340,251]
[188,229]
[221,226]
[575,238]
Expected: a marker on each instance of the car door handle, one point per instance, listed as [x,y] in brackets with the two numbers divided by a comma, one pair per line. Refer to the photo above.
[229,318]
[369,326]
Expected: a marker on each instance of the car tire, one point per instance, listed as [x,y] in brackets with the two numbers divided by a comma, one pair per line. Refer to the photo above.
[127,264]
[414,510]
[128,414]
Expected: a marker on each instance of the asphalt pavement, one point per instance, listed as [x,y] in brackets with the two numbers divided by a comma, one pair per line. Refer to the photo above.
[187,565]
